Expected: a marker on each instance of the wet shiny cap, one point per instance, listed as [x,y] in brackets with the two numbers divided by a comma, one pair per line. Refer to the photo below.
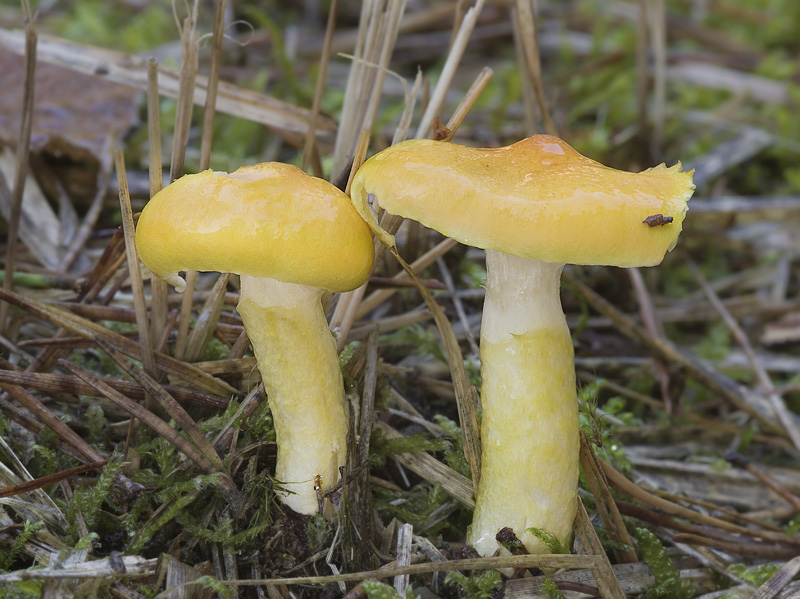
[266,220]
[537,198]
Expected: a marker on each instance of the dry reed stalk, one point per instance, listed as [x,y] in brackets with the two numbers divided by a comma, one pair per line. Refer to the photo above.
[474,91]
[158,287]
[213,85]
[606,508]
[530,60]
[207,320]
[344,313]
[137,286]
[310,153]
[377,35]
[448,71]
[183,117]
[22,156]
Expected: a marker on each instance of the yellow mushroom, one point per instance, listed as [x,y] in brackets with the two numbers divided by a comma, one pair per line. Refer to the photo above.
[534,206]
[290,236]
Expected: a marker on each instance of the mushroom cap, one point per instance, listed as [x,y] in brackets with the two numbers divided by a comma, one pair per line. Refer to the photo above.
[537,198]
[266,220]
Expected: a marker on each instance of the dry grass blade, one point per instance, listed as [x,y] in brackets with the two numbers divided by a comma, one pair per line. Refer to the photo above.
[52,479]
[58,426]
[466,394]
[147,417]
[23,152]
[345,313]
[376,298]
[434,471]
[207,320]
[91,330]
[737,546]
[626,487]
[653,324]
[606,508]
[142,321]
[739,396]
[169,405]
[186,86]
[64,383]
[785,417]
[604,576]
[778,581]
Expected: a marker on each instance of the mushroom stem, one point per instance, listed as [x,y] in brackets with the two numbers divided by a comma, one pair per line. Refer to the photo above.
[299,365]
[529,428]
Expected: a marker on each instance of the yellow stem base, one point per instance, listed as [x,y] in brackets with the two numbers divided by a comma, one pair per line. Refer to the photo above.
[529,429]
[297,358]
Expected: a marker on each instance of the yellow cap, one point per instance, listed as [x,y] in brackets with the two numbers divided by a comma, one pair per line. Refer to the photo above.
[537,198]
[266,220]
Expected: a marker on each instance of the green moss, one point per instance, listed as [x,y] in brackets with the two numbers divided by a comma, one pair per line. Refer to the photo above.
[88,499]
[478,585]
[454,452]
[755,575]
[381,447]
[549,539]
[379,590]
[8,555]
[668,582]
[552,590]
[424,340]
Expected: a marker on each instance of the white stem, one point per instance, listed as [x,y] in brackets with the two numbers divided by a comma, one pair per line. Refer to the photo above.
[299,365]
[529,427]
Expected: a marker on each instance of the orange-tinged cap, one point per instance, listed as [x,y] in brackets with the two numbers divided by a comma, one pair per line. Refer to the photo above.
[537,198]
[266,220]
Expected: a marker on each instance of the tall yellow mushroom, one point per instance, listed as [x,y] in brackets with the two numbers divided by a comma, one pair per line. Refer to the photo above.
[290,236]
[534,206]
